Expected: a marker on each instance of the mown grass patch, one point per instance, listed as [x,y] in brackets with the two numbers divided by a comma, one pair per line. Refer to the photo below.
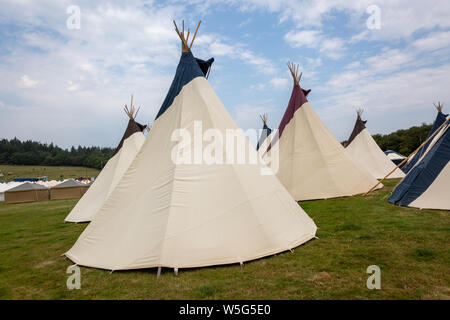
[409,245]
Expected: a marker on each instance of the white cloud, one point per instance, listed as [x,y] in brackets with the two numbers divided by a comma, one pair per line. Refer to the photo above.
[397,100]
[434,41]
[307,38]
[390,60]
[333,48]
[26,82]
[279,82]
[217,46]
[272,84]
[259,86]
[221,49]
[399,19]
[262,64]
[72,86]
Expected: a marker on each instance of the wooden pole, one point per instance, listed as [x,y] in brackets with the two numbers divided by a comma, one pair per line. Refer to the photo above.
[407,158]
[187,37]
[135,115]
[198,25]
[184,47]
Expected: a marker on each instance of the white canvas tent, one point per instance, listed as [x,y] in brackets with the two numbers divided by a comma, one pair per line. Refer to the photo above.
[312,162]
[365,151]
[440,119]
[91,202]
[394,156]
[169,214]
[427,184]
[50,183]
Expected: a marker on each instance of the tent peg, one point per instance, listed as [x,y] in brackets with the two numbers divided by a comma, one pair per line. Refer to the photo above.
[158,273]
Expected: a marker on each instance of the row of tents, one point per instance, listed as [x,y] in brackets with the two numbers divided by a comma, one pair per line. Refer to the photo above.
[425,173]
[146,210]
[20,192]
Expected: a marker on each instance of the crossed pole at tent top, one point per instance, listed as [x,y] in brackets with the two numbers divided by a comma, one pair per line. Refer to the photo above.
[185,40]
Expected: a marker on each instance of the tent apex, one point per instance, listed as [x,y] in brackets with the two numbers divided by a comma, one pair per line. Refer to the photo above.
[359,112]
[439,106]
[131,112]
[264,118]
[185,47]
[293,68]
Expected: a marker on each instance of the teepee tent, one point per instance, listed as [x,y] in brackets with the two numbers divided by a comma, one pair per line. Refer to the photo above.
[265,132]
[440,119]
[98,192]
[395,157]
[364,150]
[312,162]
[69,189]
[169,213]
[26,192]
[427,184]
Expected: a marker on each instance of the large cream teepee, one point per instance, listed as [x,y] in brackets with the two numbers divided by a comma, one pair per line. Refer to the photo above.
[91,202]
[164,214]
[365,151]
[312,162]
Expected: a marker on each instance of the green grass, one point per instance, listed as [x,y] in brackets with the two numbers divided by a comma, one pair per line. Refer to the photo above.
[409,245]
[53,173]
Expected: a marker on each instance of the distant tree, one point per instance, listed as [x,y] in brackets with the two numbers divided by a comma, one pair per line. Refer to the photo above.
[30,152]
[403,141]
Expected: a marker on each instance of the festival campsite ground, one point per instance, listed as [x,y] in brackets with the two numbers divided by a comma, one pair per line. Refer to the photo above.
[51,172]
[409,245]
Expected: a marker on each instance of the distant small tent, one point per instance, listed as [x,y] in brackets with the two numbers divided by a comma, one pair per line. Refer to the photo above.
[26,192]
[394,156]
[265,132]
[427,184]
[109,177]
[49,184]
[69,189]
[365,151]
[440,119]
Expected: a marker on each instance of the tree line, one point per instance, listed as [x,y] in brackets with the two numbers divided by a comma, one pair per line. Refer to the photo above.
[404,141]
[29,152]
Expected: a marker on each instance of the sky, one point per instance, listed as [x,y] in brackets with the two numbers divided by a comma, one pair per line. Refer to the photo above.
[67,82]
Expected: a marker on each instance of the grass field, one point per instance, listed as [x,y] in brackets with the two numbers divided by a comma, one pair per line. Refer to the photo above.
[409,245]
[53,173]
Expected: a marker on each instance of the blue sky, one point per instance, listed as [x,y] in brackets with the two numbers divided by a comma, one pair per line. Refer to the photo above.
[68,86]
